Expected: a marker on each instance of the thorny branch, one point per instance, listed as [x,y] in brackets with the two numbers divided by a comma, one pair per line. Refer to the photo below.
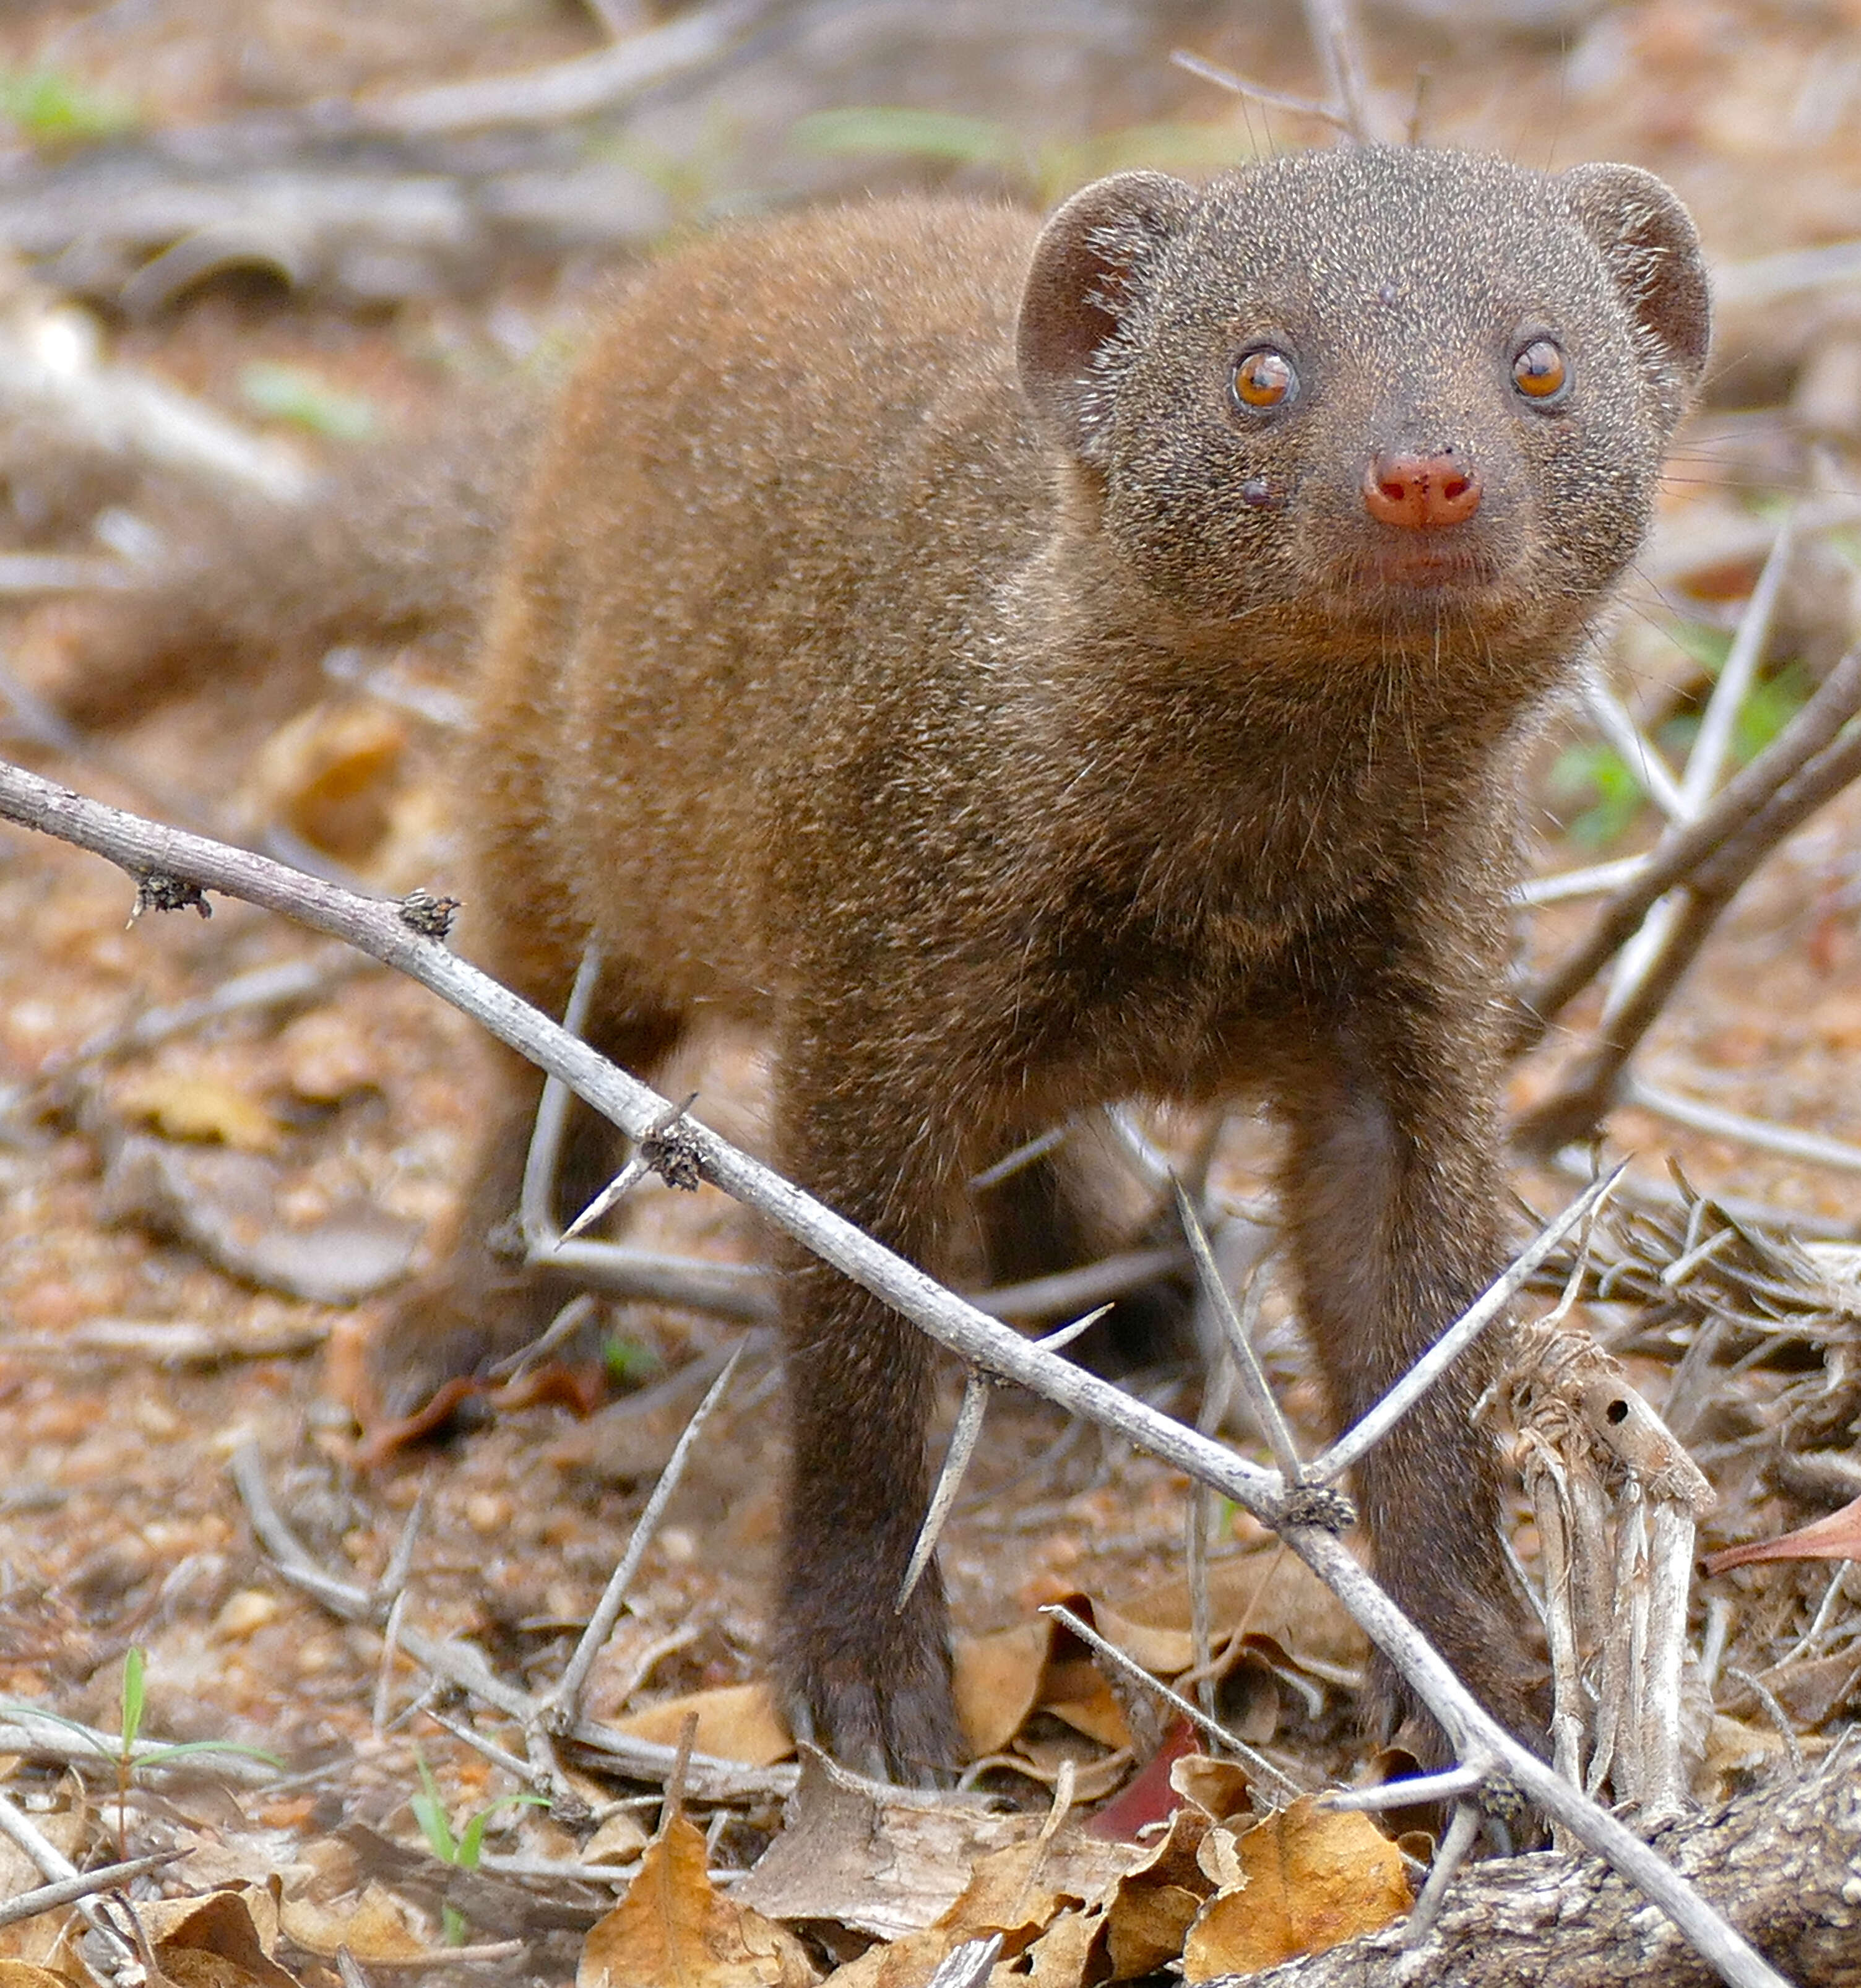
[383,930]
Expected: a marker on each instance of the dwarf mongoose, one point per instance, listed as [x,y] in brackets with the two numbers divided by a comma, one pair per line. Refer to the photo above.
[1022,667]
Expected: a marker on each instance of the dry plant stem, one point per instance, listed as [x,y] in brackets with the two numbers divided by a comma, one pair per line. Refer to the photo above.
[1482,1741]
[1359,1440]
[1463,1827]
[1671,1533]
[1283,1781]
[1238,85]
[1333,30]
[562,1707]
[552,1123]
[1550,1489]
[1762,1133]
[1640,956]
[1752,803]
[38,1736]
[461,1665]
[1260,1399]
[1573,1112]
[1631,744]
[86,1885]
[1448,1786]
[1773,1711]
[1071,1291]
[1596,880]
[145,848]
[47,1858]
[578,87]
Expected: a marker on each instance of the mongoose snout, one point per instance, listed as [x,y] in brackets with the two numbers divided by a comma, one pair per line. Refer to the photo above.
[1421,492]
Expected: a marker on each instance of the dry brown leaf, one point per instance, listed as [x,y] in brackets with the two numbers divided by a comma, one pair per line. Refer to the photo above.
[736,1721]
[1837,1536]
[203,1108]
[372,1927]
[330,775]
[1058,1959]
[28,1974]
[1144,1920]
[674,1927]
[1074,1689]
[888,1867]
[1312,1878]
[236,1927]
[997,1682]
[1268,1590]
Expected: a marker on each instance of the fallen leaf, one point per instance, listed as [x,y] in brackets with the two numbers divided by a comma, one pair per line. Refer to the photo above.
[1145,1920]
[372,1927]
[237,1923]
[1058,1959]
[997,1682]
[1835,1537]
[1268,1590]
[331,776]
[737,1721]
[673,1927]
[202,1108]
[1151,1795]
[1312,1878]
[884,1866]
[225,1203]
[28,1974]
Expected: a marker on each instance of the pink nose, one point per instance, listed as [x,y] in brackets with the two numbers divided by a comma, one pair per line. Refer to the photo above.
[1420,491]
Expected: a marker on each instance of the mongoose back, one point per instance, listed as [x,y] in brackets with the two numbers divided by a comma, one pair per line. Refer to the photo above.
[1020,668]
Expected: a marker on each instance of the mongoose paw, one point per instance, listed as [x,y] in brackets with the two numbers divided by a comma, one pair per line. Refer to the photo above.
[438,1334]
[871,1687]
[906,1735]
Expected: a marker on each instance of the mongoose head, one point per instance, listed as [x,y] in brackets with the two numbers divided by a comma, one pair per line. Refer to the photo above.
[1352,400]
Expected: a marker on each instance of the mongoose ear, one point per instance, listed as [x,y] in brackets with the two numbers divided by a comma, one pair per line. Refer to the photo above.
[1089,255]
[1648,241]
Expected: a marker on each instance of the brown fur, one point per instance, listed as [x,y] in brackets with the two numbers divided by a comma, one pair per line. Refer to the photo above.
[978,737]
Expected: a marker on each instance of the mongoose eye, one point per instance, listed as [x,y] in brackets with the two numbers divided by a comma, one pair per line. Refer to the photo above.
[1263,378]
[1540,371]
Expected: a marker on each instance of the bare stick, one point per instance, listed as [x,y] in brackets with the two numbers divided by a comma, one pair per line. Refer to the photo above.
[1238,85]
[1754,795]
[46,1856]
[1334,38]
[552,1122]
[1447,1786]
[578,87]
[562,1706]
[173,868]
[1214,1728]
[1764,1133]
[1370,1429]
[1632,745]
[1704,763]
[1595,881]
[1260,1398]
[1571,1112]
[86,1885]
[1462,1828]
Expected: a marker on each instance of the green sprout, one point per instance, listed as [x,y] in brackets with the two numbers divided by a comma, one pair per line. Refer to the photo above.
[52,108]
[289,394]
[464,1849]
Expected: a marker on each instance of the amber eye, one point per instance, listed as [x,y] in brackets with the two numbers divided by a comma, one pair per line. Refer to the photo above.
[1539,372]
[1263,378]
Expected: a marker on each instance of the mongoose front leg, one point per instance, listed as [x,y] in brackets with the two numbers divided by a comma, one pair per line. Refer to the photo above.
[1392,1198]
[869,1683]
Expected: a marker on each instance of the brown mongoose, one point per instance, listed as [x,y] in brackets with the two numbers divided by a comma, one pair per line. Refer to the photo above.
[1023,667]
